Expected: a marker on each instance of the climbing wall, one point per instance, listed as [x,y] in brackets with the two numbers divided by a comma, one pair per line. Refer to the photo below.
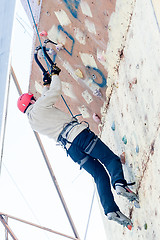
[132,120]
[82,28]
[110,66]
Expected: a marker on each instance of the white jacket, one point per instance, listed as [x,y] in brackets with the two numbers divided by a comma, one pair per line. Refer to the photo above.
[46,119]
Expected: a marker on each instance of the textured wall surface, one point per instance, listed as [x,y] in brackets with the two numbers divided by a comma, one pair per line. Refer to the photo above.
[113,48]
[132,122]
[83,28]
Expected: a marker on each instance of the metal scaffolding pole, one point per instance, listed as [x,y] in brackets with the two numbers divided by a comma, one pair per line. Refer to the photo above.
[6,232]
[49,167]
[8,229]
[32,224]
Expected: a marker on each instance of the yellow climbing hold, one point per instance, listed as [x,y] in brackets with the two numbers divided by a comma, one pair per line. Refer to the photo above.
[79,73]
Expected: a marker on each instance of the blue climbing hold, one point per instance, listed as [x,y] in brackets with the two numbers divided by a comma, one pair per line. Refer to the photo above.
[124,139]
[137,149]
[113,127]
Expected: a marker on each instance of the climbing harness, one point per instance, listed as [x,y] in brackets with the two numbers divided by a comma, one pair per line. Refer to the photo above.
[62,138]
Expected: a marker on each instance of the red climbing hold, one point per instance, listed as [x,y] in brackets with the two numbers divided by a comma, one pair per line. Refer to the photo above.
[43,34]
[96,118]
[123,158]
[129,227]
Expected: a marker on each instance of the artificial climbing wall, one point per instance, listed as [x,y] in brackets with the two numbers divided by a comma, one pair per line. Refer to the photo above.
[82,28]
[126,53]
[133,120]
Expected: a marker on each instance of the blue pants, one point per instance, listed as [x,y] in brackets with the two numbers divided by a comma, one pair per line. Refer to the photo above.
[97,161]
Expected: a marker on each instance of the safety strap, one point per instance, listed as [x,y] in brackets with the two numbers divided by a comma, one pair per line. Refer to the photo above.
[62,138]
[88,150]
[83,161]
[91,145]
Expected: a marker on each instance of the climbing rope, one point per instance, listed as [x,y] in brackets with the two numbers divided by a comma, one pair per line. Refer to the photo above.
[74,116]
[90,211]
[48,66]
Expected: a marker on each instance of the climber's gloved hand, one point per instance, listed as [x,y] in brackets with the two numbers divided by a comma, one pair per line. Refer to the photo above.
[55,70]
[46,78]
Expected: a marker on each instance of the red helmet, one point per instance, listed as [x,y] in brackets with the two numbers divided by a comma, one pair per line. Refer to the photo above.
[23,101]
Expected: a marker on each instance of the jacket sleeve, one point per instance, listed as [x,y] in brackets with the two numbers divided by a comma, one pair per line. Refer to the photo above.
[51,94]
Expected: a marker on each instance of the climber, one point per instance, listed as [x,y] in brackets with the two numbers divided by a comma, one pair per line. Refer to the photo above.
[81,144]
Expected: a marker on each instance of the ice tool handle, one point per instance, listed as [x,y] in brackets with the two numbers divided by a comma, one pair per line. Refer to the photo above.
[37,60]
[45,51]
[46,73]
[45,54]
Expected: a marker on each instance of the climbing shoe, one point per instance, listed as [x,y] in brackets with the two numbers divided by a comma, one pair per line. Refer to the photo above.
[55,70]
[125,191]
[120,218]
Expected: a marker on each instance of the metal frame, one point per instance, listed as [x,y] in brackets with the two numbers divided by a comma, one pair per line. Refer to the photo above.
[4,222]
[8,229]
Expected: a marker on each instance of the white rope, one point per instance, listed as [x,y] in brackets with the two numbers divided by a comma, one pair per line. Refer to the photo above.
[89,217]
[5,122]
